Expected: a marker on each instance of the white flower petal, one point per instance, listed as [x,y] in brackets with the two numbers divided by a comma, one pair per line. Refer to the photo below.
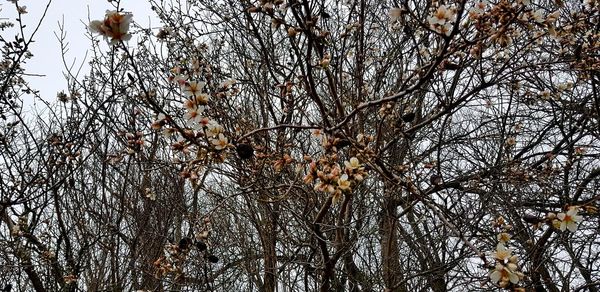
[495,276]
[572,226]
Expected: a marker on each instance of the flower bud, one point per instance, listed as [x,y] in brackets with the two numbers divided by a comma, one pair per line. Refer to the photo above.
[292,32]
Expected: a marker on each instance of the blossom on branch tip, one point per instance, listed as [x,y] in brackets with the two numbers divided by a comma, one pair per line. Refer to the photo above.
[352,164]
[442,20]
[193,88]
[150,194]
[324,187]
[478,9]
[569,220]
[221,142]
[114,26]
[213,129]
[503,237]
[343,182]
[202,98]
[502,252]
[441,16]
[194,114]
[504,274]
[204,122]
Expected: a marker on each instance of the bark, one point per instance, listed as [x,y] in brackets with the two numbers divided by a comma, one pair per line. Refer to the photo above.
[269,242]
[391,269]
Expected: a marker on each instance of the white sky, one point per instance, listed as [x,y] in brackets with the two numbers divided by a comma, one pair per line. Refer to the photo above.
[47,59]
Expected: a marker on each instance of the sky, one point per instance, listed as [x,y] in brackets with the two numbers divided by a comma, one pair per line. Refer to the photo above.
[76,14]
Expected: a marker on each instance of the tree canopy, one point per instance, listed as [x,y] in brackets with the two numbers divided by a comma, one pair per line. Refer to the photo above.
[296,145]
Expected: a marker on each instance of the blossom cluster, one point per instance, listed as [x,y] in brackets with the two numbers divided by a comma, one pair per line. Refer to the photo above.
[279,164]
[196,133]
[175,254]
[495,21]
[566,221]
[62,152]
[477,10]
[115,26]
[195,104]
[21,227]
[506,271]
[135,142]
[442,20]
[331,178]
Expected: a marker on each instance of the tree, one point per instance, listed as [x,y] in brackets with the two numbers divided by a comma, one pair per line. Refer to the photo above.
[326,145]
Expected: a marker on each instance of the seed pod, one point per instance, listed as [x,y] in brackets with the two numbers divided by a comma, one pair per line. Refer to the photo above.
[185,243]
[408,117]
[341,143]
[435,180]
[201,245]
[245,151]
[212,258]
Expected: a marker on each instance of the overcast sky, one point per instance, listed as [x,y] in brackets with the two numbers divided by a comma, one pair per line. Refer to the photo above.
[46,50]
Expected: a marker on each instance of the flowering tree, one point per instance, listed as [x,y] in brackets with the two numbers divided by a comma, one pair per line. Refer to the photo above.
[332,145]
